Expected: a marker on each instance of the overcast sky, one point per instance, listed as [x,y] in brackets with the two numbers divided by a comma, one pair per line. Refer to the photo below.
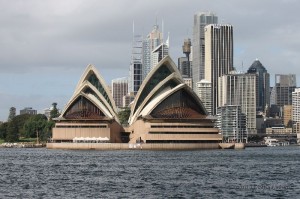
[46,45]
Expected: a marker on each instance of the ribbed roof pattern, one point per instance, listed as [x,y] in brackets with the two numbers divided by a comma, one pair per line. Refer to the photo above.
[161,83]
[92,87]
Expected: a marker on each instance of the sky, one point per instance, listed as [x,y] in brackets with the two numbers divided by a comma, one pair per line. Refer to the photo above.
[46,45]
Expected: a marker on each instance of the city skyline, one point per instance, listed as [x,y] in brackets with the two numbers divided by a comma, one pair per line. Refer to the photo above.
[51,42]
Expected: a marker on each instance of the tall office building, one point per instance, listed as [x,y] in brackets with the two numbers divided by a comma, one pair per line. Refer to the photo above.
[119,90]
[284,86]
[232,123]
[200,21]
[287,115]
[296,110]
[240,89]
[136,70]
[150,43]
[272,96]
[204,93]
[159,53]
[262,85]
[218,56]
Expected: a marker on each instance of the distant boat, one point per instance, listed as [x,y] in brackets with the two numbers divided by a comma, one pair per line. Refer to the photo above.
[271,141]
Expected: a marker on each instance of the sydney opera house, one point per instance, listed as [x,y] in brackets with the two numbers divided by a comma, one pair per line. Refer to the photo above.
[166,114]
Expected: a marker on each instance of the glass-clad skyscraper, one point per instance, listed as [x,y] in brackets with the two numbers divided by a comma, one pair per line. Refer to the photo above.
[262,85]
[200,21]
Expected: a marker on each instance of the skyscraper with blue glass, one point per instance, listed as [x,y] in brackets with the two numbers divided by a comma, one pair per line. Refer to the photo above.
[262,85]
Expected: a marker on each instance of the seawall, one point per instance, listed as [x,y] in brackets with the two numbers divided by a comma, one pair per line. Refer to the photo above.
[126,146]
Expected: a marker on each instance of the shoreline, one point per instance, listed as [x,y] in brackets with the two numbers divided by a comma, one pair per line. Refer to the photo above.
[22,145]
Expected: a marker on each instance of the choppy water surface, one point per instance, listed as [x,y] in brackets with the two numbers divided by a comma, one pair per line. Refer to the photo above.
[255,172]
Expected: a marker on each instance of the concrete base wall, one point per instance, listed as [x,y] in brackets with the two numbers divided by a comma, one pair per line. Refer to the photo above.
[126,146]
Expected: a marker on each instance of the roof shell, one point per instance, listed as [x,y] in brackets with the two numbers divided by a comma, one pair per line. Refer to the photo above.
[99,93]
[150,94]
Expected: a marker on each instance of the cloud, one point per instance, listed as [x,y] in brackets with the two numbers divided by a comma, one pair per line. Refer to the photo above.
[51,42]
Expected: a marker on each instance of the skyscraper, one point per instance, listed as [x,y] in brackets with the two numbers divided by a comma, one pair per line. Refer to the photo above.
[204,93]
[296,111]
[119,88]
[232,123]
[284,86]
[240,89]
[262,85]
[218,56]
[151,42]
[159,53]
[200,21]
[136,70]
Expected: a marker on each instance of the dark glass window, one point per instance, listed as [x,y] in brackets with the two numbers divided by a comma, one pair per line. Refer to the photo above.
[82,108]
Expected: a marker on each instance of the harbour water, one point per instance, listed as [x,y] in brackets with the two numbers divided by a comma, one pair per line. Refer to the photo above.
[269,172]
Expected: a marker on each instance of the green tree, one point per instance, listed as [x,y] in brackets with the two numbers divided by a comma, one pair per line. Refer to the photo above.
[20,120]
[124,115]
[47,131]
[15,128]
[38,127]
[12,132]
[54,112]
[3,130]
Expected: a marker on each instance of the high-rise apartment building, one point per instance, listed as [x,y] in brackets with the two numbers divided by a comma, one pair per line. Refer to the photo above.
[204,93]
[284,86]
[218,56]
[296,110]
[272,96]
[262,85]
[28,110]
[136,67]
[198,45]
[232,123]
[240,89]
[150,43]
[119,90]
[287,115]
